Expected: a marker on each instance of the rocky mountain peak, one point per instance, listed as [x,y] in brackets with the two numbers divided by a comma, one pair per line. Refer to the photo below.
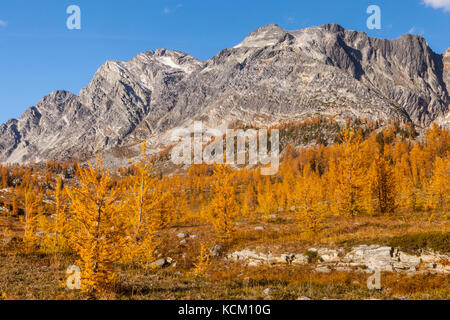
[58,98]
[446,79]
[264,36]
[446,56]
[272,76]
[333,27]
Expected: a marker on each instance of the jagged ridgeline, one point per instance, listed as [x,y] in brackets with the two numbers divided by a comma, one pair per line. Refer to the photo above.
[273,76]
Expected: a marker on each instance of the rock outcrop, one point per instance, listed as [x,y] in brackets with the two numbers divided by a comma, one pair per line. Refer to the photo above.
[363,258]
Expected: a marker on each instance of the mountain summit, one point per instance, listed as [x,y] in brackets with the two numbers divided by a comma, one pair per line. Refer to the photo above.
[272,76]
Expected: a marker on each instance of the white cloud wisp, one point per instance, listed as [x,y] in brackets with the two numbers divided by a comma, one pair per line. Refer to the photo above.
[438,4]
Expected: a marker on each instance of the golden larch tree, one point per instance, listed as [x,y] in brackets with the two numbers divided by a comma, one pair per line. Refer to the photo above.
[349,178]
[32,211]
[223,208]
[383,186]
[98,234]
[60,226]
[249,201]
[439,189]
[150,207]
[267,202]
[309,202]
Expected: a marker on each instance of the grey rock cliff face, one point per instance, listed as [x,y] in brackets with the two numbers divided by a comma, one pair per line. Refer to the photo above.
[446,68]
[273,75]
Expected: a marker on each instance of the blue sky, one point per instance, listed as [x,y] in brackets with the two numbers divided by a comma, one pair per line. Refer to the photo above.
[38,54]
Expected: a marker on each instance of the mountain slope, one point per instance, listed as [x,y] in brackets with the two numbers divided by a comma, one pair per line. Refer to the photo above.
[272,76]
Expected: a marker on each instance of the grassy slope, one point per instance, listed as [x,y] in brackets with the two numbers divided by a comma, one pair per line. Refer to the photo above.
[40,276]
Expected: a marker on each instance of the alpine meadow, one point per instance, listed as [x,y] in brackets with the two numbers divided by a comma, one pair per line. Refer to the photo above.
[331,171]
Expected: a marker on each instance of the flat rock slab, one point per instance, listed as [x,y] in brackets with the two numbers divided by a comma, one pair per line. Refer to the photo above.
[362,258]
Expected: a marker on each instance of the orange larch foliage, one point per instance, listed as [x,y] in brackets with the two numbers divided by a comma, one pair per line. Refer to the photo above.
[223,208]
[98,234]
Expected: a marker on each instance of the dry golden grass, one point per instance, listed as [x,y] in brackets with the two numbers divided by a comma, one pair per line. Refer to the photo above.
[41,276]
